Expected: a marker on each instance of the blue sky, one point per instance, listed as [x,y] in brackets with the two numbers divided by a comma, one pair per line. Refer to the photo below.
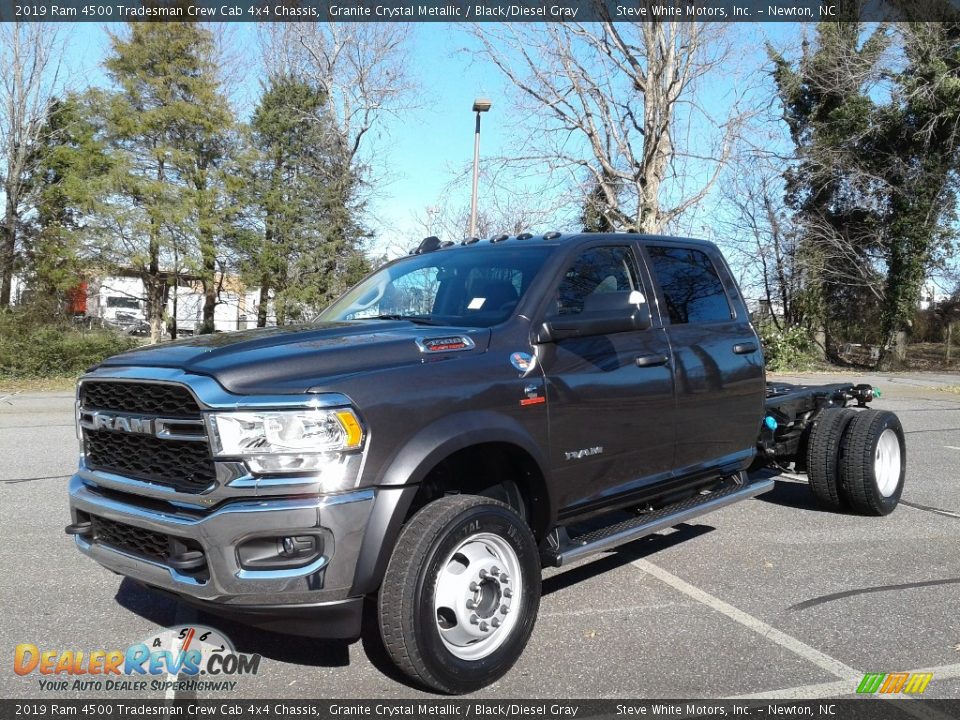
[421,151]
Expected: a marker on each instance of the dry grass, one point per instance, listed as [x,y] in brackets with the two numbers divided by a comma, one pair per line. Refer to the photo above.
[931,356]
[10,385]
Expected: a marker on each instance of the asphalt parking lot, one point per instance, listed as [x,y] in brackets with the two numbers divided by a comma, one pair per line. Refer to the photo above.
[770,597]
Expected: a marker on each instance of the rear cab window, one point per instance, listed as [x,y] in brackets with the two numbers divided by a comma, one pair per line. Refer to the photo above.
[690,286]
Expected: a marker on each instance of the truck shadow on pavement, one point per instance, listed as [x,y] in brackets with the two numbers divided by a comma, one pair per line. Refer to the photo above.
[623,555]
[790,493]
[164,610]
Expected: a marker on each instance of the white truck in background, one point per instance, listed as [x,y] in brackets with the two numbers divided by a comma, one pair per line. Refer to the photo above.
[120,302]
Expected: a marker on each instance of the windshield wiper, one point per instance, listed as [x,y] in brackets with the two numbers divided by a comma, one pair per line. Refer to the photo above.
[416,319]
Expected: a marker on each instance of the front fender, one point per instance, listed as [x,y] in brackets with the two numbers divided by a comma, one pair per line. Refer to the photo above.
[408,467]
[411,463]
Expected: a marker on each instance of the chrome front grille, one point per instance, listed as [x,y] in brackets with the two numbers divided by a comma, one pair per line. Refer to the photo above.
[177,462]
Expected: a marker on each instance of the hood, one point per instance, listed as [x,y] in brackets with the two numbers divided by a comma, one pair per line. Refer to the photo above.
[297,357]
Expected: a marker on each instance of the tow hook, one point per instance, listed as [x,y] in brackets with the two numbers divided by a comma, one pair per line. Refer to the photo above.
[82,529]
[190,560]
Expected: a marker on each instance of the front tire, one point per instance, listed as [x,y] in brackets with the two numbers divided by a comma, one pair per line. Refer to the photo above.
[873,462]
[461,593]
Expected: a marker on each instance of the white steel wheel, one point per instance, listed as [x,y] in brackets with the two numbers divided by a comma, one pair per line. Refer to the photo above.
[886,462]
[479,596]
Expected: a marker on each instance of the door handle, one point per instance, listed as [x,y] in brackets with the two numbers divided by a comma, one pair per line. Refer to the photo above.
[652,360]
[744,348]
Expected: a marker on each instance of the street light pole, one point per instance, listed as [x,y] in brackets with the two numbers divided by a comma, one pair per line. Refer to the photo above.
[480,105]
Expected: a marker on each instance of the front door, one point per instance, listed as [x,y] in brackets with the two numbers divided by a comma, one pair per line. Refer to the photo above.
[610,396]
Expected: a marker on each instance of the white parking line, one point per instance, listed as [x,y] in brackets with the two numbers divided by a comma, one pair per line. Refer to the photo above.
[850,677]
[822,660]
[951,447]
[804,692]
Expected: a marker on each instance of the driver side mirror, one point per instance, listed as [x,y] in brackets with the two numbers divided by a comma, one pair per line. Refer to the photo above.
[603,314]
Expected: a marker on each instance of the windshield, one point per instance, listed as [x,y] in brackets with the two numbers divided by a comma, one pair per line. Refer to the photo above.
[469,287]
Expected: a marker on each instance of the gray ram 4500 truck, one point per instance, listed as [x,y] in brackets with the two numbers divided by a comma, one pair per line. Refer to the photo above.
[460,419]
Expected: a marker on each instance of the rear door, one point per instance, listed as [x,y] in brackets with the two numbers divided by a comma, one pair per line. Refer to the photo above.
[718,365]
[610,396]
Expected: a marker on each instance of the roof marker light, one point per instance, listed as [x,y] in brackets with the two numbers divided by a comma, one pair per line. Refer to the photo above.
[429,244]
[470,241]
[500,238]
[553,235]
[524,236]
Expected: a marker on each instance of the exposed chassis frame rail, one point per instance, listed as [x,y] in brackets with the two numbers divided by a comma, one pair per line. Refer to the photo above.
[792,411]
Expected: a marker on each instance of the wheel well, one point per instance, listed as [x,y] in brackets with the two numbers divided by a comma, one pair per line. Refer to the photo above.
[500,470]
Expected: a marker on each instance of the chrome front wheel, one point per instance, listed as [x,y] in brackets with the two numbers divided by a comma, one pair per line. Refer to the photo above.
[460,596]
[478,597]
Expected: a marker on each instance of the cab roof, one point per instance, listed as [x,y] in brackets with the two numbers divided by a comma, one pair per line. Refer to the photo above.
[433,243]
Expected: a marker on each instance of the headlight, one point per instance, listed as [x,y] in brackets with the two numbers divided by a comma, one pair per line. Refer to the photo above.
[285,440]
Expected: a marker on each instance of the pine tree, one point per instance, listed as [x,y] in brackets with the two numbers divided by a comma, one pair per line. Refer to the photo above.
[164,125]
[70,166]
[309,251]
[206,141]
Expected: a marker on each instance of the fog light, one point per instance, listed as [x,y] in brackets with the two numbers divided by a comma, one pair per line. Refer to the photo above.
[279,552]
[299,545]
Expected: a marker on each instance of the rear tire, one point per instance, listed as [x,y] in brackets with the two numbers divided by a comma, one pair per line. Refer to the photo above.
[461,593]
[873,462]
[823,456]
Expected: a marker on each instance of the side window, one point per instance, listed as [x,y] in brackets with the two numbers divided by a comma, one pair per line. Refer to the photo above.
[691,286]
[591,278]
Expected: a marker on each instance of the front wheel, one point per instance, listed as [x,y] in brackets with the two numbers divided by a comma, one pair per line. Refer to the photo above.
[461,593]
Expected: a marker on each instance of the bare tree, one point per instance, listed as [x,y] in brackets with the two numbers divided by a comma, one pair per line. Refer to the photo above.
[785,258]
[363,68]
[448,221]
[30,56]
[760,239]
[616,107]
[503,209]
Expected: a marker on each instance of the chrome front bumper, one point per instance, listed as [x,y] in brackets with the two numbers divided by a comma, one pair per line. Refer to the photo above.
[341,521]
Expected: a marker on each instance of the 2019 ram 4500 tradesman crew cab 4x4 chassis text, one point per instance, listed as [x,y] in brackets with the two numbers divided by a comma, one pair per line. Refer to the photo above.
[459,419]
